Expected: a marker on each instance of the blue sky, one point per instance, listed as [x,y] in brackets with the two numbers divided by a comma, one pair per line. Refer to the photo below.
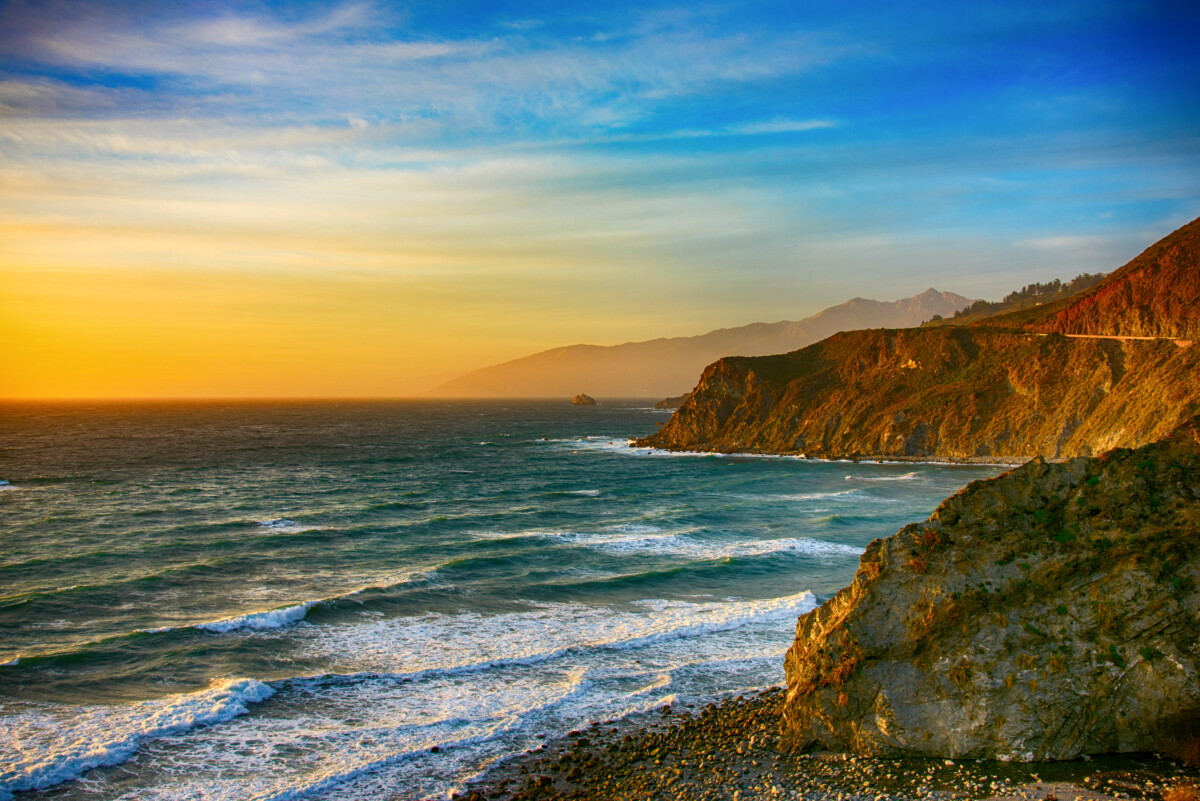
[482,180]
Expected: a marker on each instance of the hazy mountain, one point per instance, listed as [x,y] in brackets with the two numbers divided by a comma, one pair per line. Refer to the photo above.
[670,366]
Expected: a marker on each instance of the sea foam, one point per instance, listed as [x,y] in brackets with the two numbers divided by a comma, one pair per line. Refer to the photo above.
[284,616]
[259,621]
[902,477]
[53,744]
[706,550]
[435,643]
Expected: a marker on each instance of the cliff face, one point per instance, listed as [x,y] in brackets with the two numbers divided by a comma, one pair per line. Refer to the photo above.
[941,392]
[1050,612]
[1022,386]
[1154,295]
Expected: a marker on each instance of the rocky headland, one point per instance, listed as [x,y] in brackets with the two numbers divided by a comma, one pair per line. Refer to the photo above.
[1111,367]
[1050,612]
[583,400]
[671,403]
[941,393]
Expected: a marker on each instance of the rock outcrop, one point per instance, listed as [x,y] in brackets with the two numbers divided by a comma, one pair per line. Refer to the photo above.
[1007,391]
[583,400]
[1050,612]
[671,403]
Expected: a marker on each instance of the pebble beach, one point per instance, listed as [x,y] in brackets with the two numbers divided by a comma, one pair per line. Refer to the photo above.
[728,751]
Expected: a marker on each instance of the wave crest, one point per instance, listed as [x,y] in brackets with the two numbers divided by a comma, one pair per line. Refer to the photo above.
[54,744]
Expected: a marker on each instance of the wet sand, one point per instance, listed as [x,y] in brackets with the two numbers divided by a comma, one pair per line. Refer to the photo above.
[728,752]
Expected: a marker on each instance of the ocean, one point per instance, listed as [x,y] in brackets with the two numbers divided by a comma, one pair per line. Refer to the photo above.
[375,600]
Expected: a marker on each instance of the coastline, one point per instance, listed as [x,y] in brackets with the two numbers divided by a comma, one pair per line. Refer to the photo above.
[941,461]
[726,751]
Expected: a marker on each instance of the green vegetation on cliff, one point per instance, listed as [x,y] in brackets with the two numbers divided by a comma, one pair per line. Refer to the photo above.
[1030,296]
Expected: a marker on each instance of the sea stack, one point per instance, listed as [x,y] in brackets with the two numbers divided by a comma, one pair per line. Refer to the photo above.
[1050,612]
[583,400]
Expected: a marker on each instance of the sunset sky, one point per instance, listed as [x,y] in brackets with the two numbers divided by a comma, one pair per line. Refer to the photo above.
[364,199]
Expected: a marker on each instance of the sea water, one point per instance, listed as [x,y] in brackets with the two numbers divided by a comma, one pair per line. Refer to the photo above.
[380,600]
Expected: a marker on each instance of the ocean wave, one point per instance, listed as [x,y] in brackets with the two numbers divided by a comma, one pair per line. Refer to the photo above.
[617,533]
[285,526]
[260,621]
[388,506]
[615,445]
[447,718]
[903,477]
[283,616]
[257,621]
[636,538]
[839,520]
[53,744]
[439,644]
[626,446]
[851,494]
[692,548]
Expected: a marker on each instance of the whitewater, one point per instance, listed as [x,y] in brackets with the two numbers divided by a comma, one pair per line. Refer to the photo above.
[362,600]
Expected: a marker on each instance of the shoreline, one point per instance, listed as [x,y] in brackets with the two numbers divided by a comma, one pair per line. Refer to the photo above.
[944,461]
[727,751]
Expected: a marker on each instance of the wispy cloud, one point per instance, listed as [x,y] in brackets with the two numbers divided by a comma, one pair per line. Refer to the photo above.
[338,65]
[1074,243]
[564,170]
[781,126]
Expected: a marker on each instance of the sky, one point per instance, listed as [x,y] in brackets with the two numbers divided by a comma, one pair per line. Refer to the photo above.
[213,199]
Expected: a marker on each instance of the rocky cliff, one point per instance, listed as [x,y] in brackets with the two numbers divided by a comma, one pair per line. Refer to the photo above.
[1002,392]
[1154,295]
[941,393]
[1050,612]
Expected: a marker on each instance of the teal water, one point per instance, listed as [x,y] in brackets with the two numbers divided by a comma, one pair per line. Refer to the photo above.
[302,600]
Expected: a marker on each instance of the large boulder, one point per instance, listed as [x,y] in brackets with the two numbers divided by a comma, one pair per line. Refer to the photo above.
[1050,612]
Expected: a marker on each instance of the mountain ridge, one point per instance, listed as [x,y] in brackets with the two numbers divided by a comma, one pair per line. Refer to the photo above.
[668,366]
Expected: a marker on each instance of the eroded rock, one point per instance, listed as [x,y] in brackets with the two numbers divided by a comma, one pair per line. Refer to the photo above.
[1050,612]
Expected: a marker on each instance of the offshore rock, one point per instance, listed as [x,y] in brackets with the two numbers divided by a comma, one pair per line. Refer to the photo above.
[583,400]
[1050,612]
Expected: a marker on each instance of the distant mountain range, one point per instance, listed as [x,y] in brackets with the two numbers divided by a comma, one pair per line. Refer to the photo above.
[1116,365]
[670,366]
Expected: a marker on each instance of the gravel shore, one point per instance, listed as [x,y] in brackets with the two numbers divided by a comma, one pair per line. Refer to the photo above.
[727,752]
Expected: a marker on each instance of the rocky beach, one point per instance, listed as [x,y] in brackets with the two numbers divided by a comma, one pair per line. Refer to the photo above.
[729,751]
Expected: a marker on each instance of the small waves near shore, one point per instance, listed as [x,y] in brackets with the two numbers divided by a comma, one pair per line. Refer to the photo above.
[359,600]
